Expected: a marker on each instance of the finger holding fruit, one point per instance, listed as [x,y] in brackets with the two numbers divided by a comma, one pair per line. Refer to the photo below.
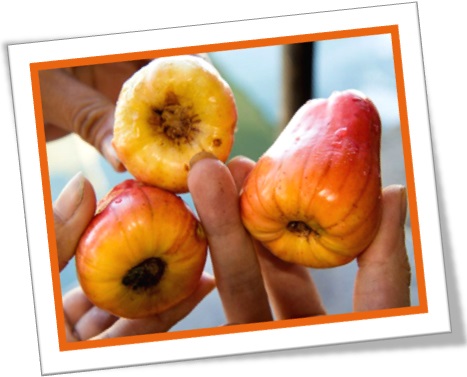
[315,199]
[143,251]
[255,285]
[74,211]
[81,100]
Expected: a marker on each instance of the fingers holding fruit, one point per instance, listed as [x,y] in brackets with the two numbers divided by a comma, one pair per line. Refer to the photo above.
[233,256]
[70,105]
[84,321]
[73,210]
[142,255]
[74,217]
[163,321]
[384,275]
[249,278]
[290,287]
[314,199]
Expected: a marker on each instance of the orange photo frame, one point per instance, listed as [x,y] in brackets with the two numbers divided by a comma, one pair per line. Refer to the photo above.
[392,30]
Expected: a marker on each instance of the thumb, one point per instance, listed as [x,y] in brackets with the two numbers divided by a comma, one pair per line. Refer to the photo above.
[73,210]
[383,277]
[73,106]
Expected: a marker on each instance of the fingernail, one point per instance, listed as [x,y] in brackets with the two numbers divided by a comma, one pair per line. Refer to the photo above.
[241,158]
[70,197]
[403,204]
[201,156]
[110,155]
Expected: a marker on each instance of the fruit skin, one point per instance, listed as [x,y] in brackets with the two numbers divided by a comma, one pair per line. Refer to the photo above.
[136,223]
[167,112]
[314,198]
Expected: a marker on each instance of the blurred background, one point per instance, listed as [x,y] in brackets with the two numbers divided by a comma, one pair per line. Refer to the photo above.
[264,103]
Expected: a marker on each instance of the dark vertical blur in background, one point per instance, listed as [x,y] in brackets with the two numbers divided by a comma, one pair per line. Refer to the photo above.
[297,78]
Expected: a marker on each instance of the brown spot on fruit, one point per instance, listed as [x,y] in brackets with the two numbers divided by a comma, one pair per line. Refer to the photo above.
[217,142]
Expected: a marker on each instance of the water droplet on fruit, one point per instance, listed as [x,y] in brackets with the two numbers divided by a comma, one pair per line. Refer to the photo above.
[341,132]
[327,194]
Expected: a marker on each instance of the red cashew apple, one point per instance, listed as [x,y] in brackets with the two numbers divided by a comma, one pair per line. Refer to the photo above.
[314,198]
[167,112]
[142,253]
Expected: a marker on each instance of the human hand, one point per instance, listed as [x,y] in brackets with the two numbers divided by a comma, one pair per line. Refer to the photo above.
[82,100]
[256,286]
[73,210]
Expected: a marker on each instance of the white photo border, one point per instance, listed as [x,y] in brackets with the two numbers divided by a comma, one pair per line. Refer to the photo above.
[435,320]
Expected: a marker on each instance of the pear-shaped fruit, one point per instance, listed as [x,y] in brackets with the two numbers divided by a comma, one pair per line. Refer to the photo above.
[314,198]
[167,112]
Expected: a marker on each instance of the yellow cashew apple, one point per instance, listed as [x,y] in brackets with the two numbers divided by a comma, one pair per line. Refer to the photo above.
[314,198]
[142,253]
[167,112]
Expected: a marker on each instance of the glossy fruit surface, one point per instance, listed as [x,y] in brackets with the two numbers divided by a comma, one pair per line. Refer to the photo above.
[143,252]
[314,198]
[169,111]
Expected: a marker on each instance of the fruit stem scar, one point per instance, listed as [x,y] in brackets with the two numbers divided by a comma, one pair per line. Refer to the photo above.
[145,275]
[174,120]
[300,228]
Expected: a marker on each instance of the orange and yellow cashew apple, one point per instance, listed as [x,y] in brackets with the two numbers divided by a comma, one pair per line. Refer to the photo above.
[167,112]
[314,197]
[143,252]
